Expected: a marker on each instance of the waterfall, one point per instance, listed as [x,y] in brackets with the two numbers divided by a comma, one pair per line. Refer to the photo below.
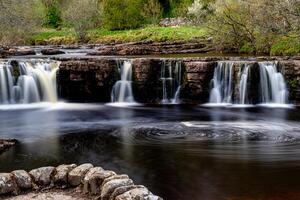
[28,81]
[243,89]
[272,83]
[171,79]
[122,90]
[222,84]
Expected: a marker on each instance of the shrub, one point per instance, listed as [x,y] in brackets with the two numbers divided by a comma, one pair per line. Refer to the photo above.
[152,11]
[286,46]
[53,15]
[81,15]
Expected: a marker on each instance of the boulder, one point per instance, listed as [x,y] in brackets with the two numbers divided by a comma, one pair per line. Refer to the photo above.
[22,179]
[76,176]
[121,190]
[7,184]
[42,176]
[109,187]
[61,175]
[92,181]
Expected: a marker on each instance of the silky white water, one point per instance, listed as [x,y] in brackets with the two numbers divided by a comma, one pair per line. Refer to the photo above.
[272,84]
[243,89]
[171,79]
[222,84]
[122,90]
[28,81]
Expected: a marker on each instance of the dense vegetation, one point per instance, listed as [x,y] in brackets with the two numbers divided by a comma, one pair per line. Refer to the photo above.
[248,26]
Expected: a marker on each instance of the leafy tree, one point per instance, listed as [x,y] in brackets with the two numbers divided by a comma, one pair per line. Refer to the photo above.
[53,14]
[152,11]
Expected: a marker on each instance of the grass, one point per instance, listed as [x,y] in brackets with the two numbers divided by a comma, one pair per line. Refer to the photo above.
[152,33]
[286,46]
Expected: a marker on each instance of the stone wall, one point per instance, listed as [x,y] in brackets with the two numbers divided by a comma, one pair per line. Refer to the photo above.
[94,181]
[91,79]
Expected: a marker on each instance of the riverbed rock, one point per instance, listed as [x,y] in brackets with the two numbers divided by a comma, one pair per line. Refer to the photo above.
[92,182]
[141,193]
[22,179]
[109,186]
[5,144]
[76,176]
[61,175]
[42,176]
[7,183]
[51,52]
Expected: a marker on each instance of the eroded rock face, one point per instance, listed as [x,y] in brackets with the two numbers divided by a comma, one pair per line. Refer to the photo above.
[42,176]
[7,184]
[22,179]
[77,175]
[61,174]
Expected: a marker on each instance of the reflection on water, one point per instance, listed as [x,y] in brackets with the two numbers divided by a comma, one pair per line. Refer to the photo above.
[179,152]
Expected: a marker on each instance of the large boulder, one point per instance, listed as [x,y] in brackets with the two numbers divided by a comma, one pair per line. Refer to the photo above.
[22,179]
[112,183]
[61,175]
[7,184]
[76,176]
[42,176]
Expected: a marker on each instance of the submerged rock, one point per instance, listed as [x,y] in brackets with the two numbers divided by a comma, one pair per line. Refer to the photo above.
[22,179]
[61,175]
[7,184]
[77,175]
[42,176]
[6,144]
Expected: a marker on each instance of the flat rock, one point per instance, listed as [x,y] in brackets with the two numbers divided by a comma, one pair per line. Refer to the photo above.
[51,52]
[109,187]
[61,175]
[22,179]
[76,176]
[42,176]
[7,184]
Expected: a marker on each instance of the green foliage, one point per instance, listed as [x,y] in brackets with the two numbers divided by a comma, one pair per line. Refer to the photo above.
[247,48]
[286,46]
[122,14]
[152,11]
[53,15]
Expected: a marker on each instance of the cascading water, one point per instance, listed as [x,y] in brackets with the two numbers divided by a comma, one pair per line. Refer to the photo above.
[122,90]
[222,84]
[244,80]
[28,81]
[272,83]
[171,82]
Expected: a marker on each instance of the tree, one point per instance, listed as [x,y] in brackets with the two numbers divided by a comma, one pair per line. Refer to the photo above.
[53,14]
[19,19]
[82,15]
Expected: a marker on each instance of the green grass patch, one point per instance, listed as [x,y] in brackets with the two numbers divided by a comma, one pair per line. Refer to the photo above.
[153,33]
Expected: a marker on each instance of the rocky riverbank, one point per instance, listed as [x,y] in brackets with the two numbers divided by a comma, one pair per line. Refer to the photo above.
[5,144]
[87,179]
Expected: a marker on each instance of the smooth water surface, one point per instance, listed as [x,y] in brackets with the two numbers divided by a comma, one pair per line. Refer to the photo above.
[180,153]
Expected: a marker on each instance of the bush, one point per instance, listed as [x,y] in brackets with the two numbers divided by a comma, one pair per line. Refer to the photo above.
[122,14]
[152,11]
[53,15]
[82,15]
[286,46]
